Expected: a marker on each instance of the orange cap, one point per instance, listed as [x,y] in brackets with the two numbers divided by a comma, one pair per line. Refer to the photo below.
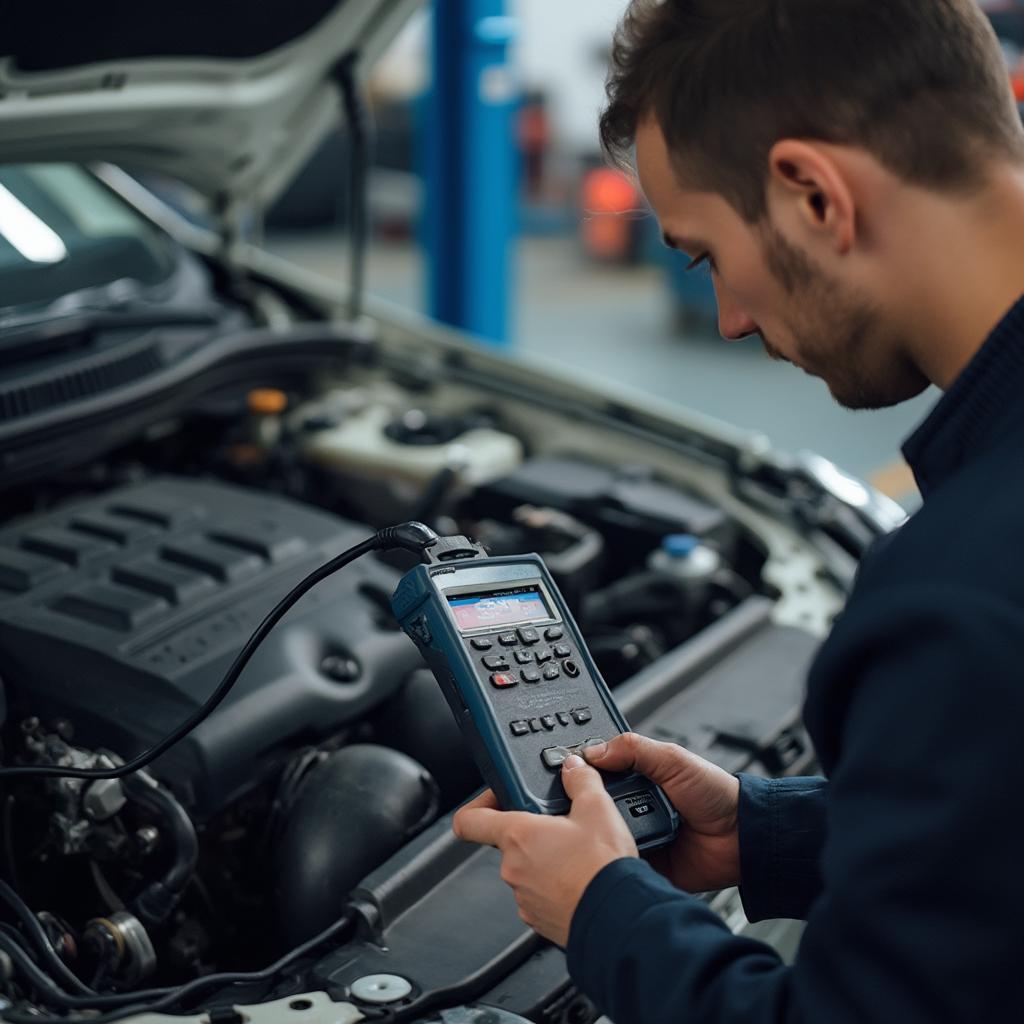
[267,401]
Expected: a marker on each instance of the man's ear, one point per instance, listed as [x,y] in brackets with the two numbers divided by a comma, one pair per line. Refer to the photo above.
[812,189]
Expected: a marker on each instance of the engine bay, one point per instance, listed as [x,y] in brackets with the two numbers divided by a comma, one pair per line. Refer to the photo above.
[325,780]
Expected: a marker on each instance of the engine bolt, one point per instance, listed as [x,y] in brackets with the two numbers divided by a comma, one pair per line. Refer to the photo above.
[380,988]
[340,668]
[146,838]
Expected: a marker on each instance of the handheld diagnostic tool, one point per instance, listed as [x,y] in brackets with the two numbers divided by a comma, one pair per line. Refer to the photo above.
[519,679]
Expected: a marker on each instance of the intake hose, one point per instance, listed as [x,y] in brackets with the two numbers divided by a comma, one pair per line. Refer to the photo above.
[154,904]
[352,812]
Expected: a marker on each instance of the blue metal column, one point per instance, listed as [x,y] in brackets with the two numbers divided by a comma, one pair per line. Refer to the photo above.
[471,179]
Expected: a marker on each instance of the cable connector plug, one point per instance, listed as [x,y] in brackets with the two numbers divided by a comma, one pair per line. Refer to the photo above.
[413,537]
[452,549]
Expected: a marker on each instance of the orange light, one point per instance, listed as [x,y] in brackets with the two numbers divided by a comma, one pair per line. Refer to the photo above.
[267,401]
[609,191]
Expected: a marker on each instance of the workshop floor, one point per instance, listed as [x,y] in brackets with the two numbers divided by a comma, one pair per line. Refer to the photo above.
[618,324]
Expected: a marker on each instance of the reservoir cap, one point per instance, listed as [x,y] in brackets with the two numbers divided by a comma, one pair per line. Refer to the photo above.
[679,545]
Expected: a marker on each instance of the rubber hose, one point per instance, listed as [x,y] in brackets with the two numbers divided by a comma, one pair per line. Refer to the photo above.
[351,813]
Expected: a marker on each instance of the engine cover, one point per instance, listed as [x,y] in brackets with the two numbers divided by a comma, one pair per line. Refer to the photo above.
[122,613]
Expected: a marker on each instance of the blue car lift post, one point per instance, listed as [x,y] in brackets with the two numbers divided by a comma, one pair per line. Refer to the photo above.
[471,177]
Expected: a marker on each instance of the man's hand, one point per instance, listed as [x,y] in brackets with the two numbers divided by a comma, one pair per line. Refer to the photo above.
[549,861]
[706,853]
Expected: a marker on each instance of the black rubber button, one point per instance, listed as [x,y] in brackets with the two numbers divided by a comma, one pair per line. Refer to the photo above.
[551,672]
[581,715]
[482,643]
[529,636]
[571,669]
[524,657]
[543,655]
[508,640]
[553,633]
[563,717]
[563,651]
[534,725]
[548,721]
[519,728]
[503,681]
[496,663]
[554,757]
[530,675]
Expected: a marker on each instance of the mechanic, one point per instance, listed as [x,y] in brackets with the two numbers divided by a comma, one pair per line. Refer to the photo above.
[853,173]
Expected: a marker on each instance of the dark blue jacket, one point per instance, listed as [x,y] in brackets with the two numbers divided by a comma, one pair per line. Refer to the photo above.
[907,863]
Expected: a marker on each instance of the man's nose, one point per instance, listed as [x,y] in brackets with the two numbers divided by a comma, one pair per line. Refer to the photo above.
[733,323]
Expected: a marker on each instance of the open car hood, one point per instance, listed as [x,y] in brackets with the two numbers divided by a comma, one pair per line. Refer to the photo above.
[230,97]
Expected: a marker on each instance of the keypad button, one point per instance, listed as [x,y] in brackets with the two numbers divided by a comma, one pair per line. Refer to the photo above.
[544,654]
[508,640]
[528,635]
[553,633]
[534,725]
[530,675]
[571,669]
[519,728]
[581,715]
[551,672]
[503,681]
[496,662]
[482,643]
[563,717]
[554,757]
[548,721]
[562,650]
[524,657]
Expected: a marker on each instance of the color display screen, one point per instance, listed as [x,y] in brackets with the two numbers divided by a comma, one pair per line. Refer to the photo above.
[499,608]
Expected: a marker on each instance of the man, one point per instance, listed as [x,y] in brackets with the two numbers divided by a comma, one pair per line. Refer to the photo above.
[853,172]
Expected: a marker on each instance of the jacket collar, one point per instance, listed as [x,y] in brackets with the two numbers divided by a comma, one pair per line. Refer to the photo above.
[981,406]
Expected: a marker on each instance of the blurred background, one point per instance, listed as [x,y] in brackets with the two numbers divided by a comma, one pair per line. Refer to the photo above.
[490,208]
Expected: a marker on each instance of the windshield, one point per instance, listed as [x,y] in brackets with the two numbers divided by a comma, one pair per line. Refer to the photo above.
[63,233]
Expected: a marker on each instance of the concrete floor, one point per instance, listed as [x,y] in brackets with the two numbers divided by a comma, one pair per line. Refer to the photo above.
[619,324]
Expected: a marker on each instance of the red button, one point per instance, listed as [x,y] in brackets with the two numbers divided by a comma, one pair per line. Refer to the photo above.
[502,679]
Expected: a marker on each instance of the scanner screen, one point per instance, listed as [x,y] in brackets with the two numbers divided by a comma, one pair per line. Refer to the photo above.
[499,608]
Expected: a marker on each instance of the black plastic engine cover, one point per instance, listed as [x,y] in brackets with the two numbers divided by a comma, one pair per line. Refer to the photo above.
[122,613]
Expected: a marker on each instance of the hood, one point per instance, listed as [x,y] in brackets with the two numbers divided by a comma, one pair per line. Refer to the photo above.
[230,96]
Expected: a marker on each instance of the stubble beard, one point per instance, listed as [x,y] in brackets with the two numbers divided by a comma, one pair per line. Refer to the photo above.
[834,331]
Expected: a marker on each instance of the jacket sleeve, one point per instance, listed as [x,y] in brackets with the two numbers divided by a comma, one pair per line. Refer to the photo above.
[918,919]
[782,830]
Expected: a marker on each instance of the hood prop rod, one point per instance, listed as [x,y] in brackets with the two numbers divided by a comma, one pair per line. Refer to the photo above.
[346,76]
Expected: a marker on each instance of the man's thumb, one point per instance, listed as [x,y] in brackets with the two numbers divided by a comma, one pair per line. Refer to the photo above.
[629,752]
[579,778]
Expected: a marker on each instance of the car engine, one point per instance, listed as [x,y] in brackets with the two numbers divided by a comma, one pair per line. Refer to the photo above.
[321,786]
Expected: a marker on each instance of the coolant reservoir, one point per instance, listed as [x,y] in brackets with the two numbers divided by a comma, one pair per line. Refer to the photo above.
[683,556]
[367,443]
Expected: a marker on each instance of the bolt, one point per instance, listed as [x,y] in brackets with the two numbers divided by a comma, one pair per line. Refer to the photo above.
[380,988]
[342,668]
[146,838]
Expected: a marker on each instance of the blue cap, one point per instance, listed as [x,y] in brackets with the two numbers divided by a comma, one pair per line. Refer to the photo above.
[679,545]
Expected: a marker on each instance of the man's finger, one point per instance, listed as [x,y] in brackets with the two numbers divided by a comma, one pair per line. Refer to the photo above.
[485,798]
[579,778]
[479,824]
[630,752]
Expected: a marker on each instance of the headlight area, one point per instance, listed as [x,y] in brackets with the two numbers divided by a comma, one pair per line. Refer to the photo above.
[318,791]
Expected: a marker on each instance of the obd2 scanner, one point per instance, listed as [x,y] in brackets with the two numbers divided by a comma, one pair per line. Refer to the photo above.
[519,679]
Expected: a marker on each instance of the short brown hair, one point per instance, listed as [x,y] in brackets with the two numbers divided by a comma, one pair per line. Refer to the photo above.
[922,84]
